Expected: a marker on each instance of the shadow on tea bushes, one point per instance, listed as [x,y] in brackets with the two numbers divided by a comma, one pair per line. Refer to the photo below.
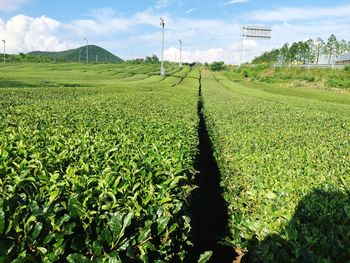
[318,232]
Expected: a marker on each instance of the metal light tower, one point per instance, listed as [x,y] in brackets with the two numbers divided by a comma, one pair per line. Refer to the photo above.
[241,48]
[87,50]
[180,64]
[4,50]
[253,32]
[162,70]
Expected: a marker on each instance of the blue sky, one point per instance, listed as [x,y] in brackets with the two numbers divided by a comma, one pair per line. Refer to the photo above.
[209,29]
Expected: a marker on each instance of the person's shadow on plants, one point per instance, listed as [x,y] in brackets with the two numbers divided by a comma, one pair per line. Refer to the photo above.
[318,232]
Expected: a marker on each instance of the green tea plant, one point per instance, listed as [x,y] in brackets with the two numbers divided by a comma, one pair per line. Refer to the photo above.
[97,171]
[282,155]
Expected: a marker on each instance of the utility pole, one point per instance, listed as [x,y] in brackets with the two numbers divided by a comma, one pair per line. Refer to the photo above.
[162,70]
[96,58]
[4,50]
[87,50]
[79,55]
[180,64]
[241,51]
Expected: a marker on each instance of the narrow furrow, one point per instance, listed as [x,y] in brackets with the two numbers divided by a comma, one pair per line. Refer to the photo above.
[182,78]
[209,209]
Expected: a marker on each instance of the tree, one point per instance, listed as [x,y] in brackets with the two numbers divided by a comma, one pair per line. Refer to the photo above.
[152,60]
[268,57]
[310,55]
[319,47]
[342,47]
[293,52]
[284,53]
[217,66]
[309,51]
[330,48]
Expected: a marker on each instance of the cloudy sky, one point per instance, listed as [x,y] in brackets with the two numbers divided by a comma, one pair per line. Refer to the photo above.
[210,30]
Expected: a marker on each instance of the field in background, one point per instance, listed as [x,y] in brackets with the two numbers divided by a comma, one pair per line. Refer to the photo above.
[100,162]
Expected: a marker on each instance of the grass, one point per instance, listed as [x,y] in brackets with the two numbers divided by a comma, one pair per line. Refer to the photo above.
[324,78]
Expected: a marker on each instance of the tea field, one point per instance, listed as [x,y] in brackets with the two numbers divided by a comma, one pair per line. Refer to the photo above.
[99,163]
[95,163]
[284,158]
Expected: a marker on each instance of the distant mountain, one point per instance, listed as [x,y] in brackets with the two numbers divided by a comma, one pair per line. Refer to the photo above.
[75,55]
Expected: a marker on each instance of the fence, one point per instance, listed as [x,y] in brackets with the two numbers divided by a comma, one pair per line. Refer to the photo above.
[332,66]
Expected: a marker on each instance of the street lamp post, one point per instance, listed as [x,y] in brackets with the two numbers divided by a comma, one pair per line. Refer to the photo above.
[4,41]
[87,50]
[241,47]
[180,64]
[162,70]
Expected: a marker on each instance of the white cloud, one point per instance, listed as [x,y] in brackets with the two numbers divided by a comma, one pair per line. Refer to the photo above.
[230,54]
[23,34]
[11,5]
[201,37]
[161,4]
[208,55]
[189,11]
[281,32]
[106,22]
[148,18]
[232,2]
[294,13]
[86,27]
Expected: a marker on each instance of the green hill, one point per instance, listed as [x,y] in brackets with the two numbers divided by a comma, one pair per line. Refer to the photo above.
[79,54]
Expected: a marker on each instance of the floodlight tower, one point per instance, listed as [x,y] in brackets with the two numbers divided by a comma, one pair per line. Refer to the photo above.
[253,32]
[87,50]
[4,41]
[180,64]
[162,70]
[241,47]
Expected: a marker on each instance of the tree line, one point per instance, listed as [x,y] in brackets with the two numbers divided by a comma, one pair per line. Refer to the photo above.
[306,52]
[24,58]
[148,60]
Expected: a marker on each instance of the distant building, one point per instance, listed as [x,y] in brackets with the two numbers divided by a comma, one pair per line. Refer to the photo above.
[343,60]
